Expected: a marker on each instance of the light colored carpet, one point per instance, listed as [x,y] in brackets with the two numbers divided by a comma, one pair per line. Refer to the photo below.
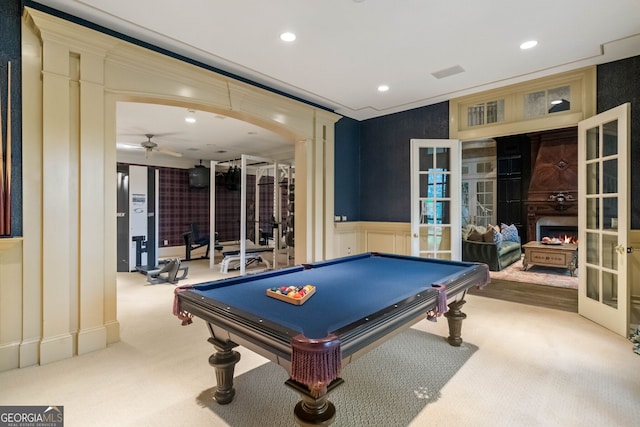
[532,367]
[394,381]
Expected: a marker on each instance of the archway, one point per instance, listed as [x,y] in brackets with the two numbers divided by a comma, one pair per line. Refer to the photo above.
[73,77]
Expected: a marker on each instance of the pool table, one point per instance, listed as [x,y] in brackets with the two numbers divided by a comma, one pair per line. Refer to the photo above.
[359,302]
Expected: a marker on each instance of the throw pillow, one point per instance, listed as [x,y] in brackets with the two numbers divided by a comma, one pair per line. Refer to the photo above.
[474,236]
[497,239]
[492,236]
[510,233]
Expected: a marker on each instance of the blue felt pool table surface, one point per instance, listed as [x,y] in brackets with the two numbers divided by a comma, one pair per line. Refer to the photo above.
[347,289]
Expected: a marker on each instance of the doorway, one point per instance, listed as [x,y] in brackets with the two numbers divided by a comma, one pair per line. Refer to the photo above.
[518,180]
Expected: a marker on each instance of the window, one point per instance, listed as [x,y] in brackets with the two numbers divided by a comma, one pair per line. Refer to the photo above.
[485,113]
[550,101]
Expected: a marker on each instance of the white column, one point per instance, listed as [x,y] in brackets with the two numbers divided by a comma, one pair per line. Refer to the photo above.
[92,333]
[57,341]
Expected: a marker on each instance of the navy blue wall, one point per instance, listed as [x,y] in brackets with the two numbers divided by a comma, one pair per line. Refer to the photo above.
[10,50]
[347,167]
[385,150]
[619,82]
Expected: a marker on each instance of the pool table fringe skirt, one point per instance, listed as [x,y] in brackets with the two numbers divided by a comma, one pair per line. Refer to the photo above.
[183,315]
[441,306]
[315,362]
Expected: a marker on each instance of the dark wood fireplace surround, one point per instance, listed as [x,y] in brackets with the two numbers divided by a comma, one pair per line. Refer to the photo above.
[553,187]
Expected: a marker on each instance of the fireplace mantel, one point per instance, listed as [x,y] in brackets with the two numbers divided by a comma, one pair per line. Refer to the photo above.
[539,209]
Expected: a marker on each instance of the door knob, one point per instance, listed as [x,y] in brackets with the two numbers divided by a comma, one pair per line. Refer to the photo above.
[415,235]
[621,249]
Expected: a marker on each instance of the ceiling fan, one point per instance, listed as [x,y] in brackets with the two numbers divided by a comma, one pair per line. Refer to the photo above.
[151,146]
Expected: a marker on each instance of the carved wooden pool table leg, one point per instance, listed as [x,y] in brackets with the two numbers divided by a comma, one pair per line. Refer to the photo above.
[224,361]
[314,411]
[455,317]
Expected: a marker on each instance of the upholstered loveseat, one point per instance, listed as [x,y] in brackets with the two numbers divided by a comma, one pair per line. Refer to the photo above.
[496,247]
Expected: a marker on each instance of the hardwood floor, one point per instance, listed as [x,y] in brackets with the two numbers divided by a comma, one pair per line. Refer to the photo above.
[533,294]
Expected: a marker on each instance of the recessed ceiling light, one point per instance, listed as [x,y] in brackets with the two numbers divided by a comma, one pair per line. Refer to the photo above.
[287,37]
[383,88]
[191,117]
[528,44]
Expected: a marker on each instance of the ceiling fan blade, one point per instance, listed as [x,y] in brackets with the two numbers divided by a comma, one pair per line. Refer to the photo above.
[127,146]
[169,152]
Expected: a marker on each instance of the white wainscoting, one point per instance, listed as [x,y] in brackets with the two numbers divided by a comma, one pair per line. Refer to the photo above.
[360,237]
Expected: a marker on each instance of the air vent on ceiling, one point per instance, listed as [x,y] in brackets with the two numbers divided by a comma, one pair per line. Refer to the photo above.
[456,69]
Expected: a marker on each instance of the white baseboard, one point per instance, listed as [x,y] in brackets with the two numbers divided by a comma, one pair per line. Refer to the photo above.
[92,339]
[29,352]
[56,348]
[113,331]
[9,356]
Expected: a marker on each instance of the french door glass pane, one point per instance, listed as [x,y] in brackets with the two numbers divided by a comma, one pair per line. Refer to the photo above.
[593,213]
[610,138]
[593,143]
[610,207]
[465,203]
[443,159]
[610,176]
[593,248]
[593,290]
[593,181]
[434,185]
[426,214]
[424,185]
[441,185]
[426,159]
[435,212]
[445,239]
[610,289]
[609,253]
[444,210]
[435,239]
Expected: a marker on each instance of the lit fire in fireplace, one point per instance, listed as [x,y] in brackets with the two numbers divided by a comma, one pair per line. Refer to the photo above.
[560,239]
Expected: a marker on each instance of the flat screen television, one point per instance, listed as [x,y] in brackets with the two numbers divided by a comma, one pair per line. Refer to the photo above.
[199,177]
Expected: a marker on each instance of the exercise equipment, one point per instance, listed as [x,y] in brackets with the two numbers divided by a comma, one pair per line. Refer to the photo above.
[193,240]
[142,247]
[168,273]
[233,259]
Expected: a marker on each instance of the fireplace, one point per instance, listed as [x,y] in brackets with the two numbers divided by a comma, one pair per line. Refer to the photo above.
[561,227]
[552,197]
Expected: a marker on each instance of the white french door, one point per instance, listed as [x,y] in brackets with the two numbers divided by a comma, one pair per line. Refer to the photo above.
[435,198]
[603,184]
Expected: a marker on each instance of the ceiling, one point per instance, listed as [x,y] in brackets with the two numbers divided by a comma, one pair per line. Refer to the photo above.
[346,49]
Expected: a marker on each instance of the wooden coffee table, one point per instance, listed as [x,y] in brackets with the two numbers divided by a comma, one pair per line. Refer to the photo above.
[564,255]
